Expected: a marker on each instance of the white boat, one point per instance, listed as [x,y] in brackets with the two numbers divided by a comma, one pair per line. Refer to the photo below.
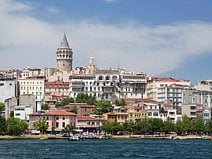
[74,138]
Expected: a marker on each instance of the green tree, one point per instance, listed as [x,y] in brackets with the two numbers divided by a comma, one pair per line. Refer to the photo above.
[112,127]
[2,106]
[208,127]
[68,128]
[130,127]
[16,126]
[102,106]
[120,102]
[41,125]
[45,107]
[3,125]
[144,126]
[186,124]
[178,127]
[199,125]
[12,114]
[168,126]
[74,109]
[84,98]
[156,124]
[67,100]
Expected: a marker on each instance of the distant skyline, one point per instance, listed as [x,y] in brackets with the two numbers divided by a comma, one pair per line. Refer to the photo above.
[163,37]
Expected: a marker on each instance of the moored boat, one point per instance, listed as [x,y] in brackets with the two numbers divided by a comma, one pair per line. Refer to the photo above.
[74,138]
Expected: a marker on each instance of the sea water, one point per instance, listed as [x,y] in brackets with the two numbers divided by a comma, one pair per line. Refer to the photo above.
[106,149]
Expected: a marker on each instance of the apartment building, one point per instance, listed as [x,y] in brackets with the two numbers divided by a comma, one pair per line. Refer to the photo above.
[57,120]
[32,85]
[109,84]
[8,89]
[167,90]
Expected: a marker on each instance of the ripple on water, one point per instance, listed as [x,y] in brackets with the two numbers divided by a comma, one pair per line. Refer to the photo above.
[105,149]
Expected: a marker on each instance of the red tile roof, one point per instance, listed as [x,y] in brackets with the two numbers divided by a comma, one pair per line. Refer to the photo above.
[87,118]
[135,100]
[54,112]
[79,105]
[167,105]
[57,84]
[161,79]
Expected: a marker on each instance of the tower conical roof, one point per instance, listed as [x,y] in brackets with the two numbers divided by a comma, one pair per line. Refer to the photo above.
[64,43]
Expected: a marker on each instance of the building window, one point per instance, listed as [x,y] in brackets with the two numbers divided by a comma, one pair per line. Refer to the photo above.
[57,118]
[155,113]
[57,124]
[64,124]
[63,118]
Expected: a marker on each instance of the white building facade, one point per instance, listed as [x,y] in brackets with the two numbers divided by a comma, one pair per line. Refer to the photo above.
[8,89]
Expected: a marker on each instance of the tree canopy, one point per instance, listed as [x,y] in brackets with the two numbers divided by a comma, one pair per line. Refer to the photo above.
[120,102]
[67,100]
[68,128]
[15,126]
[45,107]
[41,125]
[102,106]
[85,98]
[3,125]
[2,106]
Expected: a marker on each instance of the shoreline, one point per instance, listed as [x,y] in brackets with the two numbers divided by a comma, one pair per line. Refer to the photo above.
[178,137]
[49,137]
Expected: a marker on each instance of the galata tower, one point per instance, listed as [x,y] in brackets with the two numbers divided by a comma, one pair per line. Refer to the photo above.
[64,56]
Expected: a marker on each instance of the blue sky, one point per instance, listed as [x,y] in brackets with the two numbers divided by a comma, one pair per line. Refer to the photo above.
[158,37]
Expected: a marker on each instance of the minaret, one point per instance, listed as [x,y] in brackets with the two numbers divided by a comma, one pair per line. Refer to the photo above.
[91,67]
[64,56]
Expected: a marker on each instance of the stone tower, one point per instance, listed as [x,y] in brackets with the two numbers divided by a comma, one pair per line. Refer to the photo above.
[64,56]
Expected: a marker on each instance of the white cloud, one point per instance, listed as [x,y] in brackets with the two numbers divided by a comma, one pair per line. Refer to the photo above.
[51,9]
[28,41]
[111,1]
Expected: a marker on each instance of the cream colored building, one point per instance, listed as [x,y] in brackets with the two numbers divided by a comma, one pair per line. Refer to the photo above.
[168,90]
[136,113]
[32,85]
[118,115]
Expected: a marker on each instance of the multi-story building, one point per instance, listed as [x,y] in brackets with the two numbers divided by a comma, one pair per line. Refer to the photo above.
[118,115]
[167,90]
[136,113]
[57,88]
[204,90]
[109,84]
[193,110]
[22,112]
[82,109]
[82,84]
[89,124]
[207,114]
[57,120]
[8,89]
[27,100]
[32,85]
[132,85]
[9,74]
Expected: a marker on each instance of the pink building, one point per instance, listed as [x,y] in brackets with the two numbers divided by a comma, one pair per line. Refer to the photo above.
[56,119]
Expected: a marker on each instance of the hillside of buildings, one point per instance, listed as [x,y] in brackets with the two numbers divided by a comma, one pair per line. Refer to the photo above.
[93,100]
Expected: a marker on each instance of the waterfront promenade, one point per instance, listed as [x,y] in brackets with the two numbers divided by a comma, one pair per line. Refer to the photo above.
[50,136]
